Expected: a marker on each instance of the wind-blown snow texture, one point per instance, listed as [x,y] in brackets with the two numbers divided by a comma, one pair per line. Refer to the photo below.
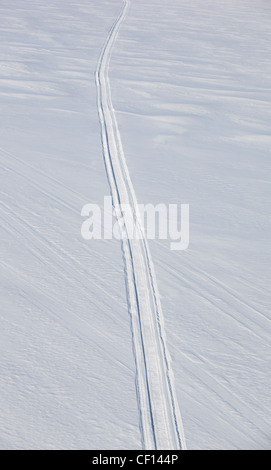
[190,83]
[160,419]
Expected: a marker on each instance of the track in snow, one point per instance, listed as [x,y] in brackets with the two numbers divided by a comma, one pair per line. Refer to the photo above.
[160,419]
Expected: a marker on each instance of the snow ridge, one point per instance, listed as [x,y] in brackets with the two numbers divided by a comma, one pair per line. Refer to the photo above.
[160,418]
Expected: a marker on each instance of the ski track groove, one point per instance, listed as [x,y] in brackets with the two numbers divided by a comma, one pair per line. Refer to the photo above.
[62,258]
[160,419]
[55,198]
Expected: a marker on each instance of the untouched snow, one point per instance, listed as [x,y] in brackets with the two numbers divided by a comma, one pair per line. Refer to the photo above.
[190,84]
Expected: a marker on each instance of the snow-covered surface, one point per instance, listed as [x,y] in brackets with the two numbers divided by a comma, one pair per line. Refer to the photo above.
[160,419]
[190,82]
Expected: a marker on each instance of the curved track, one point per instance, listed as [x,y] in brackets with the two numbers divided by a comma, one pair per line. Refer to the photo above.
[160,419]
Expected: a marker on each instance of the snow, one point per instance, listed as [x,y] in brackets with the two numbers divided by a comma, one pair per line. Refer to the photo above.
[160,419]
[190,84]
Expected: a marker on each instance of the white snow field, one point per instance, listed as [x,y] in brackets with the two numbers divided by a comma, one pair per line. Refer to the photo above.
[106,345]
